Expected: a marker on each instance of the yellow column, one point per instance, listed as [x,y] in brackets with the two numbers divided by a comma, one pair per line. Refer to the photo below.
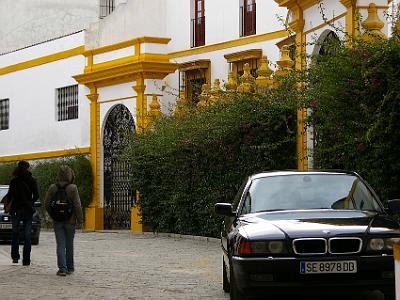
[350,19]
[141,105]
[94,213]
[141,124]
[297,26]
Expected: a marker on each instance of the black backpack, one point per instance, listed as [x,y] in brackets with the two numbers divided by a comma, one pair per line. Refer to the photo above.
[61,207]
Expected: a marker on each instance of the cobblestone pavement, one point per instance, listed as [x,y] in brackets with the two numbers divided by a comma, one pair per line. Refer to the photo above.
[122,265]
[117,265]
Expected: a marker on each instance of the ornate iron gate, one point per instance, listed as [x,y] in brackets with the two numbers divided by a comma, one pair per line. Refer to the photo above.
[119,197]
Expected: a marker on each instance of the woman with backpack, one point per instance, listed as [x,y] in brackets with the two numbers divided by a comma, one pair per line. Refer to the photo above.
[63,204]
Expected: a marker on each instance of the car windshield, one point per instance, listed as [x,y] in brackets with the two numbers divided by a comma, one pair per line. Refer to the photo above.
[3,192]
[309,191]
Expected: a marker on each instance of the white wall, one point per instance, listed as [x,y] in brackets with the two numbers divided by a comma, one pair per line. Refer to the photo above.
[27,22]
[32,125]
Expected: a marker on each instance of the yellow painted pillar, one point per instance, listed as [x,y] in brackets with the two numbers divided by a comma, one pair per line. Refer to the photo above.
[141,124]
[396,254]
[141,105]
[297,26]
[350,19]
[94,213]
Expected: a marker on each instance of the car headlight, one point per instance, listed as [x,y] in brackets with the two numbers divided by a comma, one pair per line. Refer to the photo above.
[382,244]
[390,241]
[376,244]
[262,247]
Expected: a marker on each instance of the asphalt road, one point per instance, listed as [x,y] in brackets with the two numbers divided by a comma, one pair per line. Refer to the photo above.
[122,265]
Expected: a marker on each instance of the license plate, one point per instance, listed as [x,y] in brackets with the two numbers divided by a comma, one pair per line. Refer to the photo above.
[328,267]
[5,226]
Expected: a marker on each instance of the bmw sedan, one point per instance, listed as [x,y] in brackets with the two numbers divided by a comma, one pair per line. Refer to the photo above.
[6,225]
[307,231]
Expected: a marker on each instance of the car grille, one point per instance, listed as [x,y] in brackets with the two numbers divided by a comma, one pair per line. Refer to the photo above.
[340,245]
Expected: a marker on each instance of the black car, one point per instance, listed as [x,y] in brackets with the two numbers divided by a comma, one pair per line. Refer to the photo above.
[6,225]
[307,231]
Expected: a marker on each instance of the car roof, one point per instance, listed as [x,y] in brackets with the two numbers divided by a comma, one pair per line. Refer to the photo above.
[296,172]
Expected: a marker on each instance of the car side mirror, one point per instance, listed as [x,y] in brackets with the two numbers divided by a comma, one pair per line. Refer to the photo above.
[37,204]
[224,209]
[393,206]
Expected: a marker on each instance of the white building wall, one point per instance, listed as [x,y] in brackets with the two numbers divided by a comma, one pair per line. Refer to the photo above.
[33,127]
[27,22]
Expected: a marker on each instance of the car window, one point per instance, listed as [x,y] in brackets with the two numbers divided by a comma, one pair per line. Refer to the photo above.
[239,194]
[309,191]
[3,192]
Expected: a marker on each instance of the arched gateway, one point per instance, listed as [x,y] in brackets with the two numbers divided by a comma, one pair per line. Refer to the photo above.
[119,197]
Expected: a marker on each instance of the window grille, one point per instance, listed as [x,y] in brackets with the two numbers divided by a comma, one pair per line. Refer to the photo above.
[67,103]
[4,113]
[106,8]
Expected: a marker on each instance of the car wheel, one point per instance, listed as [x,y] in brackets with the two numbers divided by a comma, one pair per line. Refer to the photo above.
[225,282]
[234,291]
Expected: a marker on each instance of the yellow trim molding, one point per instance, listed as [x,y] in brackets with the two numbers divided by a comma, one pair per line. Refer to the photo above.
[230,44]
[304,4]
[243,55]
[42,60]
[128,43]
[44,155]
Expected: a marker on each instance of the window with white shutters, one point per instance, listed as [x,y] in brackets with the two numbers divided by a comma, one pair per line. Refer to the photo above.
[67,103]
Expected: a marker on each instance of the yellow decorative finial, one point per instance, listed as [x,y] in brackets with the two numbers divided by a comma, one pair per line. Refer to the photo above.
[373,25]
[204,96]
[215,93]
[231,85]
[285,63]
[154,107]
[263,80]
[247,81]
[182,105]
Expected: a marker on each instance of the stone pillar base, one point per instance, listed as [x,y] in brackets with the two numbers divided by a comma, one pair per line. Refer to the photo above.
[94,218]
[136,226]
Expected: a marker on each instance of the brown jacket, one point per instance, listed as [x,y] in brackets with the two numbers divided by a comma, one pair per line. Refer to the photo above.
[66,176]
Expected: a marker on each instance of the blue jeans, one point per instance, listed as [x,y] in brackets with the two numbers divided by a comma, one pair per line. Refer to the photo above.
[65,233]
[27,230]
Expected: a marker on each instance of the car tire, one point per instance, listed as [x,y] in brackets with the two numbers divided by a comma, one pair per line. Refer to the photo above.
[225,282]
[235,293]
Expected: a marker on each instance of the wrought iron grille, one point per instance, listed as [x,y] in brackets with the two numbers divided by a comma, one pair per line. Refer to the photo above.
[198,32]
[4,113]
[106,8]
[67,103]
[119,196]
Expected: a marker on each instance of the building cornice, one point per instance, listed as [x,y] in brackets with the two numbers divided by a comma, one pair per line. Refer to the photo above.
[42,60]
[44,155]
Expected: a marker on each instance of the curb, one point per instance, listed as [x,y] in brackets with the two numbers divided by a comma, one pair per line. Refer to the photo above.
[162,234]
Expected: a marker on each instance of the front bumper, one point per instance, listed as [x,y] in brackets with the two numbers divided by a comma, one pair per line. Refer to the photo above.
[255,274]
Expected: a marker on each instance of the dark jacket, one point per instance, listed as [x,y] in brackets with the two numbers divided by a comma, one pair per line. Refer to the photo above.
[24,192]
[66,178]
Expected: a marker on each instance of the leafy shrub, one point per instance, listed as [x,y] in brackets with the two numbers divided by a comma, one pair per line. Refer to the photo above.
[356,102]
[185,165]
[46,171]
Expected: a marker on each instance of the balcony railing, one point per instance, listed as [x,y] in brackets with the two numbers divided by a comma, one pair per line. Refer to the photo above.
[198,32]
[247,18]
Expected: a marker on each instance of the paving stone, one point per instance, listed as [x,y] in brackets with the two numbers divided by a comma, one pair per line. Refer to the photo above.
[118,265]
